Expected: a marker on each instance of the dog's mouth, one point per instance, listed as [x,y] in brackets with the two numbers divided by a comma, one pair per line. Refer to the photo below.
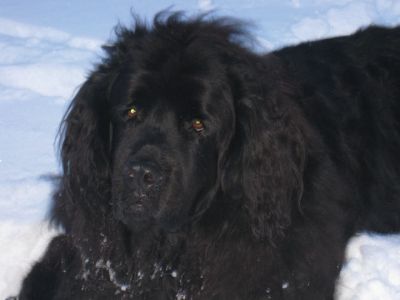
[137,207]
[135,202]
[134,213]
[147,211]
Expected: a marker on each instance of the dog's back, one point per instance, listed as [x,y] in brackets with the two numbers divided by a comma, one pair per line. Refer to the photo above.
[349,89]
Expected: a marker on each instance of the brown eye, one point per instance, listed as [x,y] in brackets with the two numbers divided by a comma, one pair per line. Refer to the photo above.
[198,125]
[132,112]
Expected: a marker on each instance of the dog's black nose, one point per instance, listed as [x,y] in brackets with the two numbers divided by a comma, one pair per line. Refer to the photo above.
[145,174]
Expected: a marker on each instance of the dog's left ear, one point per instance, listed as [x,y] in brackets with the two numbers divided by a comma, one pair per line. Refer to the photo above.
[264,169]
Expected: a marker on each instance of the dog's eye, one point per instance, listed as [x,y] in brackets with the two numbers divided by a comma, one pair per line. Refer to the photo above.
[132,112]
[198,125]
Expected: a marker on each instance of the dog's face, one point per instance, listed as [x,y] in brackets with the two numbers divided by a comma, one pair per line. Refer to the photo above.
[171,126]
[178,119]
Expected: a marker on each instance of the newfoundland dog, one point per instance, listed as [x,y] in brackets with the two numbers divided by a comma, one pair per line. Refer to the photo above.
[196,168]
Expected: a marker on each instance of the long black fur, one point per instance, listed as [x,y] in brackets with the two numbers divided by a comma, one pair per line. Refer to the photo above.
[300,150]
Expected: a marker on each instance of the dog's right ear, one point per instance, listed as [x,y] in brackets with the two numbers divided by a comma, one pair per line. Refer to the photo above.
[86,136]
[85,141]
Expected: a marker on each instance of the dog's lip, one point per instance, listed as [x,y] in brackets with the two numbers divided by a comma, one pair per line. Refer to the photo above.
[138,203]
[137,206]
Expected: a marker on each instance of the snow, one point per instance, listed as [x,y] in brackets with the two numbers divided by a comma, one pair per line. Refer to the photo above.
[47,49]
[21,244]
[205,5]
[372,270]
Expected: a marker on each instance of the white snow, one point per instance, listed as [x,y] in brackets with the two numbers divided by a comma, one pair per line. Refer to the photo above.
[46,50]
[205,5]
[339,20]
[372,270]
[31,32]
[310,28]
[21,244]
[40,68]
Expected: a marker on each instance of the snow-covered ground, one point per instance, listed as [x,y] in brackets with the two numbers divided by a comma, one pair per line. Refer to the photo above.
[46,49]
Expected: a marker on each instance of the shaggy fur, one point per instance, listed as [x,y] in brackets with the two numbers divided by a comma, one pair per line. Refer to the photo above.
[290,154]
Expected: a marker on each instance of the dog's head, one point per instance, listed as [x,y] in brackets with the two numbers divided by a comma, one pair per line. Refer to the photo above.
[175,115]
[172,118]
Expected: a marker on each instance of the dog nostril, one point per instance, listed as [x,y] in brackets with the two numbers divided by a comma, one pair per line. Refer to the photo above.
[148,177]
[144,173]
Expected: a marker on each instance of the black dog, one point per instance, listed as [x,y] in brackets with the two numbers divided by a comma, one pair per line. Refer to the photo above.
[195,168]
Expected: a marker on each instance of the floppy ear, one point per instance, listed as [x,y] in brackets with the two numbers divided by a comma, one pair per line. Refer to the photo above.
[84,187]
[86,136]
[265,166]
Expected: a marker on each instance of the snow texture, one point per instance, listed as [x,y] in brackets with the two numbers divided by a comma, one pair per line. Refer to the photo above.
[46,50]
